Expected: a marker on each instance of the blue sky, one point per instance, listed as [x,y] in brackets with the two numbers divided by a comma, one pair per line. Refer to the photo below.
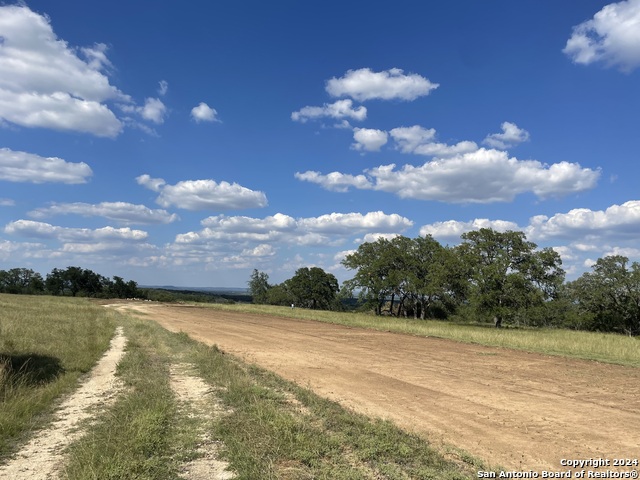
[189,144]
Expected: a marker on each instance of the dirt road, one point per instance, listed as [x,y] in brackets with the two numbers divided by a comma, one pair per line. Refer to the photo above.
[519,410]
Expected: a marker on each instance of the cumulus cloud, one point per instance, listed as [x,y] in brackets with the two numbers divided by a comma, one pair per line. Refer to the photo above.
[422,141]
[32,229]
[511,136]
[12,250]
[121,212]
[369,139]
[574,234]
[153,110]
[203,194]
[617,221]
[45,83]
[280,228]
[365,84]
[154,184]
[335,181]
[278,222]
[28,167]
[341,109]
[483,176]
[611,37]
[452,229]
[204,113]
[349,223]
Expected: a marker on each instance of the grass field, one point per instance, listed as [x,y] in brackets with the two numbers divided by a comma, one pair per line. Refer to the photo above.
[272,428]
[46,344]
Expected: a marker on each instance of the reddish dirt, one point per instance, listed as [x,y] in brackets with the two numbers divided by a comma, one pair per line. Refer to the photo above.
[514,409]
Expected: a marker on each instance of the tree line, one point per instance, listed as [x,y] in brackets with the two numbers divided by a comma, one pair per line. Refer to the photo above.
[491,276]
[72,281]
[308,288]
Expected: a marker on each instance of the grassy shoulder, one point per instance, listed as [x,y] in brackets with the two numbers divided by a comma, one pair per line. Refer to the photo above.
[602,347]
[46,344]
[271,428]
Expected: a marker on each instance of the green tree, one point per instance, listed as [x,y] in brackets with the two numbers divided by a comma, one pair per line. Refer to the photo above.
[259,286]
[313,288]
[21,280]
[507,274]
[55,282]
[376,276]
[608,298]
[280,295]
[436,282]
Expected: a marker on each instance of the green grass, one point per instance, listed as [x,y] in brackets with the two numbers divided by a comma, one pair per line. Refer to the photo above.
[603,347]
[144,435]
[273,429]
[46,344]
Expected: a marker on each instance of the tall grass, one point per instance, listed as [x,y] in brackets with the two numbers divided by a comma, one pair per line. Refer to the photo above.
[46,344]
[603,347]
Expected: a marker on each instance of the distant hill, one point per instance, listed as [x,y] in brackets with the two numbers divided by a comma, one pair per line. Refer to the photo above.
[227,290]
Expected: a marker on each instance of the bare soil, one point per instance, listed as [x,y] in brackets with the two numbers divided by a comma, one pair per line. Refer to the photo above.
[510,408]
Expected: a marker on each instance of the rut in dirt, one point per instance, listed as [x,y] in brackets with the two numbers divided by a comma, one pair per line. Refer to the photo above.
[198,399]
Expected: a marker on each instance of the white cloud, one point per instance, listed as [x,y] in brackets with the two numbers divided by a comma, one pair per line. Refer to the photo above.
[283,229]
[154,110]
[203,194]
[364,84]
[369,139]
[629,252]
[154,184]
[262,250]
[452,229]
[483,176]
[204,113]
[44,83]
[14,250]
[510,137]
[278,222]
[7,202]
[340,109]
[32,229]
[617,221]
[28,167]
[163,88]
[409,138]
[351,223]
[577,233]
[422,141]
[121,212]
[373,237]
[335,181]
[611,37]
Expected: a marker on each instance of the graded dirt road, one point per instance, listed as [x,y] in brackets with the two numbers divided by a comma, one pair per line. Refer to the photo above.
[510,408]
